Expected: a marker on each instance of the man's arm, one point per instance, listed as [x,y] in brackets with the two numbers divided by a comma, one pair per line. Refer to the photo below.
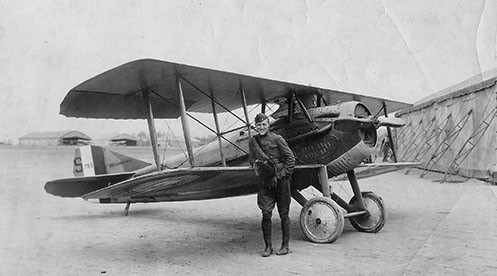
[286,156]
[252,155]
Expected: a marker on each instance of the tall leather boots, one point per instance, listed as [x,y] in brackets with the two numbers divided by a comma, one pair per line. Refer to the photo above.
[266,233]
[285,230]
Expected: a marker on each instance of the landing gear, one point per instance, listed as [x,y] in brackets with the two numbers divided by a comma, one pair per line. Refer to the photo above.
[321,220]
[376,216]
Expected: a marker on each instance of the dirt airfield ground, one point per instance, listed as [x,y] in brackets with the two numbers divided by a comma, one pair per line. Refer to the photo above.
[432,229]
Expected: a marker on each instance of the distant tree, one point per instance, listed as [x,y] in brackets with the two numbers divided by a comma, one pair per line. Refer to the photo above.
[143,138]
[161,134]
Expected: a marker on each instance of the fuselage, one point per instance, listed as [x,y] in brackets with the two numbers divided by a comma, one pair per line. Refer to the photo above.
[339,136]
[315,141]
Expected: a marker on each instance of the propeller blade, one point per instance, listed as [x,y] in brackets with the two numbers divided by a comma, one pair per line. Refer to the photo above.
[391,122]
[349,123]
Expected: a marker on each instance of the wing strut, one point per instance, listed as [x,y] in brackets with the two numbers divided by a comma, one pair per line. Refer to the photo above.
[151,128]
[184,122]
[218,132]
[389,131]
[304,109]
[244,103]
[290,107]
[200,122]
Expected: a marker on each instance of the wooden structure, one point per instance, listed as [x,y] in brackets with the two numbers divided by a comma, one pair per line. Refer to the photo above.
[454,131]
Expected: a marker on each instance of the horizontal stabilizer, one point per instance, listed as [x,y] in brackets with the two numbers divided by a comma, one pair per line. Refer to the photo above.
[78,186]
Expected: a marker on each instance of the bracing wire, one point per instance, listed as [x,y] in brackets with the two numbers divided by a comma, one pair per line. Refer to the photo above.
[176,139]
[166,146]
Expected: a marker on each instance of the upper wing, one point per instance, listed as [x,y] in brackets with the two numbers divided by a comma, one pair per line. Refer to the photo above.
[117,93]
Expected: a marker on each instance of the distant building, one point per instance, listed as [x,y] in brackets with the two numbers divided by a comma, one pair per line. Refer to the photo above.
[55,138]
[124,140]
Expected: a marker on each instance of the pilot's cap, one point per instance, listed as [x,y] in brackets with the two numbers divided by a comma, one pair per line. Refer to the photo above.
[260,117]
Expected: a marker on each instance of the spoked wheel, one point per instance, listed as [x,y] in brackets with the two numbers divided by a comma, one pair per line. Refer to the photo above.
[376,217]
[321,220]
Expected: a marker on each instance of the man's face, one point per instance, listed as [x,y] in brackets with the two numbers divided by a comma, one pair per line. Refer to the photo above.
[262,127]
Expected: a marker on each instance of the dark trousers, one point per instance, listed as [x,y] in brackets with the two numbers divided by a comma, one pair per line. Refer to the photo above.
[280,196]
[267,198]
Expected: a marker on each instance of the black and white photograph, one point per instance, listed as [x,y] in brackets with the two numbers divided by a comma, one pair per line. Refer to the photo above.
[248,137]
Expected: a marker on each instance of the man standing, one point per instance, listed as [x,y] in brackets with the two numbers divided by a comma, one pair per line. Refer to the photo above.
[273,161]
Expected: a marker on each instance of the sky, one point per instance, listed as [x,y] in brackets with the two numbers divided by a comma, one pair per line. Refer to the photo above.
[399,50]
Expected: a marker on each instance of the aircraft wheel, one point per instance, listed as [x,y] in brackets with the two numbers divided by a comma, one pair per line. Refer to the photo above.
[321,220]
[376,217]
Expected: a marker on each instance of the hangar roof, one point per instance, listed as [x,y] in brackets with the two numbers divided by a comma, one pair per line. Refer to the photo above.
[124,136]
[56,135]
[471,85]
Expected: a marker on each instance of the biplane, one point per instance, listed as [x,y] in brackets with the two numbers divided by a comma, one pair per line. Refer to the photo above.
[330,132]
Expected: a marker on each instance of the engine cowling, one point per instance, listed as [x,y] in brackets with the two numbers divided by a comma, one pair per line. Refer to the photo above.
[355,116]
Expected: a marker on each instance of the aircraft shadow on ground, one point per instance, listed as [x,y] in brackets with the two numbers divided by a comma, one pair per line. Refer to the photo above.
[182,233]
[179,249]
[164,214]
[172,216]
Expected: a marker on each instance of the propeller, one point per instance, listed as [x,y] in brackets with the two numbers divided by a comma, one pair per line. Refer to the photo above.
[350,123]
[390,122]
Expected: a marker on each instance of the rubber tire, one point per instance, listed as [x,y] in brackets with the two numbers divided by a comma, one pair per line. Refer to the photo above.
[324,227]
[377,217]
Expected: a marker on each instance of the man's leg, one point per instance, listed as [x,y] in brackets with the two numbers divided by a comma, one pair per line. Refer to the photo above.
[266,202]
[283,200]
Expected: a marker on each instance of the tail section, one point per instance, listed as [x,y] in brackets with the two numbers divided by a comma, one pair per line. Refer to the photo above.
[95,160]
[79,186]
[95,168]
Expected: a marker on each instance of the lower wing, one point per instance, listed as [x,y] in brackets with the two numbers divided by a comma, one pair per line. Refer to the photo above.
[374,169]
[180,184]
[185,184]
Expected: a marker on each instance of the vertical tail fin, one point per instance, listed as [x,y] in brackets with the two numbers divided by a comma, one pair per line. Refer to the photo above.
[95,160]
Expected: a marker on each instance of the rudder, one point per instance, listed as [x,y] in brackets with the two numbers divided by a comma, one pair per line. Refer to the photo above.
[94,160]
